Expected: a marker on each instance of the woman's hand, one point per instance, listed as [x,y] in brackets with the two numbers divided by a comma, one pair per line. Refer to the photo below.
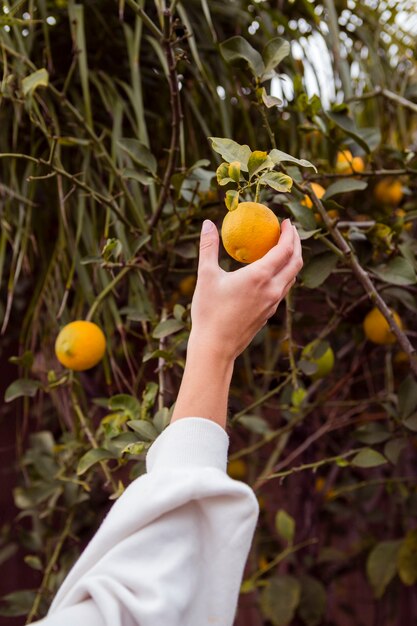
[229,308]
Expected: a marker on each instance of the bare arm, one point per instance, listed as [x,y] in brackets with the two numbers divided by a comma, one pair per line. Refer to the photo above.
[227,311]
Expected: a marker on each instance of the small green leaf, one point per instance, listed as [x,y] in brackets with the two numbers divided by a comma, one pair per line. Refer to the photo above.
[231,199]
[222,173]
[238,49]
[144,429]
[232,151]
[276,180]
[318,269]
[398,271]
[17,603]
[411,423]
[124,403]
[381,566]
[26,360]
[268,100]
[285,525]
[139,153]
[312,602]
[274,52]
[34,562]
[368,458]
[259,161]
[22,387]
[393,449]
[407,559]
[255,424]
[280,598]
[345,185]
[40,78]
[166,328]
[282,157]
[234,171]
[92,457]
[372,433]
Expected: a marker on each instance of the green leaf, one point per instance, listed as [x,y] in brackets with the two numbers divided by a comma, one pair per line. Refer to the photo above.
[138,175]
[259,161]
[285,525]
[274,52]
[40,78]
[34,562]
[282,157]
[231,199]
[17,603]
[145,429]
[126,404]
[367,138]
[407,397]
[318,269]
[411,423]
[302,214]
[234,171]
[312,602]
[345,185]
[255,424]
[92,457]
[166,328]
[381,565]
[26,360]
[276,180]
[398,271]
[393,449]
[21,387]
[368,458]
[280,598]
[231,151]
[407,559]
[238,49]
[372,433]
[139,153]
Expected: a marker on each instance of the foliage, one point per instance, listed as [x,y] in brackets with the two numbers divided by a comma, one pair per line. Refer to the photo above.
[106,173]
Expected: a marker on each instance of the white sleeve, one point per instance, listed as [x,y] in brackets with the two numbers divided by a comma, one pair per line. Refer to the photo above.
[172,550]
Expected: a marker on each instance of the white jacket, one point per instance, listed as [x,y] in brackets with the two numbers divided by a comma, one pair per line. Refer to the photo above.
[172,549]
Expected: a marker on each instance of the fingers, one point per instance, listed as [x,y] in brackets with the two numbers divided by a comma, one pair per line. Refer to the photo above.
[295,263]
[209,246]
[280,255]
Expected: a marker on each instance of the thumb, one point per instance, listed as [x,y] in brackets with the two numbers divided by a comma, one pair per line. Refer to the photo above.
[209,246]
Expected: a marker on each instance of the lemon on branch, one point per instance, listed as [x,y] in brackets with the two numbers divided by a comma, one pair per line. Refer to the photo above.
[249,231]
[80,345]
[377,329]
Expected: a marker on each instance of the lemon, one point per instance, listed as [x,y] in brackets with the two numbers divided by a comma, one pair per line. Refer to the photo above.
[323,360]
[80,345]
[249,231]
[377,329]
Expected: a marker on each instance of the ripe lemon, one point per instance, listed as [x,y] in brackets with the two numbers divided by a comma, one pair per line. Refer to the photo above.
[346,163]
[249,231]
[389,191]
[318,190]
[376,327]
[80,345]
[324,362]
[237,469]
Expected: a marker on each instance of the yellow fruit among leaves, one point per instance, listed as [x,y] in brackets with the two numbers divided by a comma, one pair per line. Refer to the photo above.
[237,469]
[80,345]
[318,190]
[250,231]
[389,191]
[346,163]
[377,329]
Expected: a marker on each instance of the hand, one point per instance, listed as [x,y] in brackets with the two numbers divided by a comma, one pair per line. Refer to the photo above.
[229,308]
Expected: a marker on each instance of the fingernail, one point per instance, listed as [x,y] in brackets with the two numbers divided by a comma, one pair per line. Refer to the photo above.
[207,226]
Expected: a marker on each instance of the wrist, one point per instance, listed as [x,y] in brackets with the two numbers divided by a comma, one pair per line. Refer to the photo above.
[202,346]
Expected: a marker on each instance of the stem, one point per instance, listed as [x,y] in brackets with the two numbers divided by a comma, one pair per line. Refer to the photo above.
[340,64]
[106,291]
[51,565]
[168,44]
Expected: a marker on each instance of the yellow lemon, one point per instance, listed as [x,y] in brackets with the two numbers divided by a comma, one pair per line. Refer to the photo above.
[80,345]
[237,469]
[318,190]
[389,191]
[249,231]
[376,327]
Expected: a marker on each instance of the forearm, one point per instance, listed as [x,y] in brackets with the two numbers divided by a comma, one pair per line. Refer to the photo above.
[205,384]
